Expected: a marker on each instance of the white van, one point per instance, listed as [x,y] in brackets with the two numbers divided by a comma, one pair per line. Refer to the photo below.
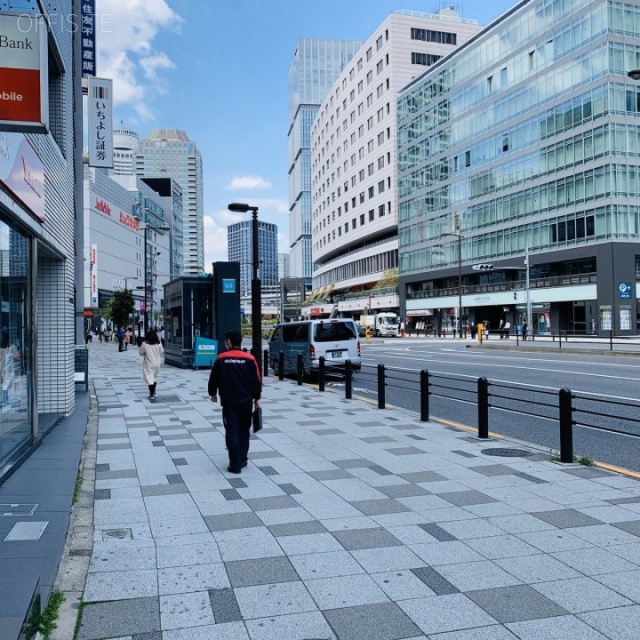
[335,339]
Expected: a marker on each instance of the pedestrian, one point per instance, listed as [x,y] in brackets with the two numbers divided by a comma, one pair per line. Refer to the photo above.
[127,338]
[161,335]
[501,329]
[525,326]
[507,329]
[480,330]
[152,351]
[121,335]
[473,330]
[236,376]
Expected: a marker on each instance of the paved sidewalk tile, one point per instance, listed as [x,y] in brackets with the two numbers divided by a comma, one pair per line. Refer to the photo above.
[348,523]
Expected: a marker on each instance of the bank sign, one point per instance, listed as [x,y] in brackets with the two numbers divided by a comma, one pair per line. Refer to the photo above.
[24,89]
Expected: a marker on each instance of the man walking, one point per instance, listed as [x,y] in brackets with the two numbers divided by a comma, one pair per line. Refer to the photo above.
[236,375]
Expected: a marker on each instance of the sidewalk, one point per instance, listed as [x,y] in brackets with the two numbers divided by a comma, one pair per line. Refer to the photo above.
[349,523]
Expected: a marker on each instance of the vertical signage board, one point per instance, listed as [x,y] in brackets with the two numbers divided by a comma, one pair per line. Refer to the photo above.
[100,117]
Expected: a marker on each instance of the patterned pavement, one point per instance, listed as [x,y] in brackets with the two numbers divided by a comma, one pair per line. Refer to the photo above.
[349,523]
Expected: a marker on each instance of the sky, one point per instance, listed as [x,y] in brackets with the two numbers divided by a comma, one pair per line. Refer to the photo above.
[218,69]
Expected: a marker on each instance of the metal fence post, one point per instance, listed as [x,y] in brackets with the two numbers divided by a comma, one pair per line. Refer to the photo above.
[483,408]
[424,396]
[610,339]
[281,365]
[566,425]
[559,340]
[265,363]
[321,373]
[299,368]
[381,387]
[348,379]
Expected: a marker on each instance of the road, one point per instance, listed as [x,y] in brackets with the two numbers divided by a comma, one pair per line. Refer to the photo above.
[512,374]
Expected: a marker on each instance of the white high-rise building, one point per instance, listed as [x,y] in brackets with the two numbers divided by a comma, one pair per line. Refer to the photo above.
[353,155]
[316,64]
[125,147]
[170,153]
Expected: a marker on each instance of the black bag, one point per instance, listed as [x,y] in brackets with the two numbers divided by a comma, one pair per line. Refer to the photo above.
[257,419]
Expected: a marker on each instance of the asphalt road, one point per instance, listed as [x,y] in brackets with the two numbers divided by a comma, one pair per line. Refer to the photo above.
[524,390]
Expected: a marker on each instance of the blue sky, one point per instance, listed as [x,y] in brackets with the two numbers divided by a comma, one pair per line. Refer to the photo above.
[218,69]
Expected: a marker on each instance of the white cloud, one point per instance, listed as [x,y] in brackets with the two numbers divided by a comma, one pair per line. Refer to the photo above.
[249,183]
[215,242]
[126,32]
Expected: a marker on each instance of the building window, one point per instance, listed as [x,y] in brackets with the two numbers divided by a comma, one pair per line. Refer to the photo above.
[429,35]
[372,215]
[426,59]
[371,192]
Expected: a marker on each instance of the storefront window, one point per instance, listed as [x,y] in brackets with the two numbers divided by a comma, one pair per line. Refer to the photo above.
[15,377]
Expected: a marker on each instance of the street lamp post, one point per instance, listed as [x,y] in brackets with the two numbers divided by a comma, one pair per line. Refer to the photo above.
[256,302]
[145,230]
[459,313]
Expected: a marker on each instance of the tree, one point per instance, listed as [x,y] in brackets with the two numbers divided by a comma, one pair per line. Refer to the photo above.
[122,307]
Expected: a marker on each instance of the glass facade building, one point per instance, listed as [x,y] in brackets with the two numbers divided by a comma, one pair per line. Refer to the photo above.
[170,153]
[240,249]
[526,139]
[315,66]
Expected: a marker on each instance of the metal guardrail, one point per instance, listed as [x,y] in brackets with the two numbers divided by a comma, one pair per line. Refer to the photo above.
[567,408]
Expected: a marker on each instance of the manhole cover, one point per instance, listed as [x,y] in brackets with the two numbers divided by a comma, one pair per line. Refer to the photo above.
[507,453]
[117,534]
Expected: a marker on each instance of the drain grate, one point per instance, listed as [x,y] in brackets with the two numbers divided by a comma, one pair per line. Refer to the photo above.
[117,534]
[507,453]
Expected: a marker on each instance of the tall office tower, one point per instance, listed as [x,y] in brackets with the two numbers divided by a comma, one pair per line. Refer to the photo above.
[125,147]
[169,153]
[518,153]
[316,64]
[240,245]
[283,265]
[353,157]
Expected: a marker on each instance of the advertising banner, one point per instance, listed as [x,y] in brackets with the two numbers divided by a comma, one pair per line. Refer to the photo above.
[100,117]
[24,87]
[94,275]
[22,172]
[88,16]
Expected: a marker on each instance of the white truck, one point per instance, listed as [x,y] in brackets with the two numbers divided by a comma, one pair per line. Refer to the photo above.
[381,324]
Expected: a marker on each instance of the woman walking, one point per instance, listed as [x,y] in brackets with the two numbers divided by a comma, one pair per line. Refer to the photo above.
[151,349]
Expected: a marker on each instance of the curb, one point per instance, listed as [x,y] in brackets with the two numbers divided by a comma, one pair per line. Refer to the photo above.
[74,565]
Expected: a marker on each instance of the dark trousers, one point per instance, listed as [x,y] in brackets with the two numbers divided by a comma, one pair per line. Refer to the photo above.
[237,429]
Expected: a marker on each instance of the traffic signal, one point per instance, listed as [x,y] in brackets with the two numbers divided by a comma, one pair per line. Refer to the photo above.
[482,267]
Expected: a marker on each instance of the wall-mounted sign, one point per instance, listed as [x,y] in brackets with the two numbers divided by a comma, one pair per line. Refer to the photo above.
[94,275]
[24,74]
[88,29]
[100,117]
[22,172]
[228,285]
[624,290]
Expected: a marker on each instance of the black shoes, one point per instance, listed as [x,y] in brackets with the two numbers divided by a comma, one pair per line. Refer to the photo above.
[244,464]
[230,470]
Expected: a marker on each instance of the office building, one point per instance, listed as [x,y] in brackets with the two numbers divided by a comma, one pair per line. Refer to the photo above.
[525,141]
[239,236]
[125,147]
[353,159]
[116,253]
[169,153]
[316,64]
[283,265]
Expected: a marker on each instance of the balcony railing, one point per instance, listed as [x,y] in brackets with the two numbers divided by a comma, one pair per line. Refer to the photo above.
[518,285]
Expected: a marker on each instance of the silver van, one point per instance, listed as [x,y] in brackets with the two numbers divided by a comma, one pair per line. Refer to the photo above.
[335,339]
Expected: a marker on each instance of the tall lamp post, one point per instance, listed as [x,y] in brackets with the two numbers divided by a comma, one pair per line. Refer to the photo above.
[145,229]
[256,302]
[459,314]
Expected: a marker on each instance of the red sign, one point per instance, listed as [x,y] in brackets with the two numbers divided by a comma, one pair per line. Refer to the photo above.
[23,73]
[101,205]
[20,95]
[129,221]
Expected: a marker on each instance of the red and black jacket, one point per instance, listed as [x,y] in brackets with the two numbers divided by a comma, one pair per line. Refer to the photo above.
[236,377]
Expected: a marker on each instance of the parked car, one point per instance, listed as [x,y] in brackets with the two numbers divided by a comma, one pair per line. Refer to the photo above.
[336,340]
